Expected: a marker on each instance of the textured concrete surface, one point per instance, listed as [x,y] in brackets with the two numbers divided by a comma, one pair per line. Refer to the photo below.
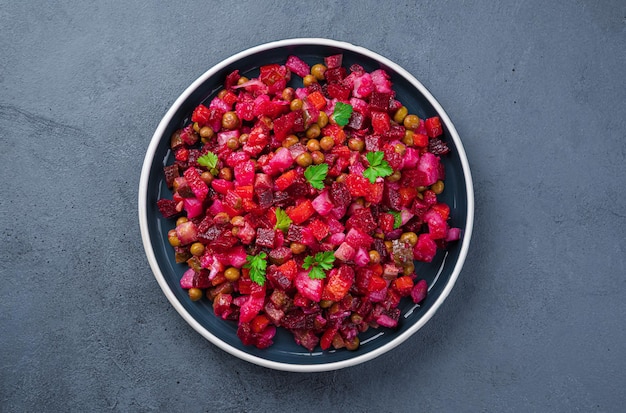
[536,322]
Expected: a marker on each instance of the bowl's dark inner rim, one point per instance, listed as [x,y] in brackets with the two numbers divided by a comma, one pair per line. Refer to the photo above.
[285,350]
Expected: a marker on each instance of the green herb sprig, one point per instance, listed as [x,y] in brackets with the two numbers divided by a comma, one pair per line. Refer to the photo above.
[316,174]
[257,265]
[378,166]
[342,113]
[208,160]
[282,220]
[318,263]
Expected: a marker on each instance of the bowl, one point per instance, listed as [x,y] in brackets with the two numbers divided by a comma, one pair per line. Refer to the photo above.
[285,354]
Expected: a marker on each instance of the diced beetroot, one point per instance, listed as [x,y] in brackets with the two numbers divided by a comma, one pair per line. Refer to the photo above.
[253,305]
[187,233]
[437,226]
[221,186]
[193,207]
[395,132]
[265,237]
[335,75]
[339,194]
[233,200]
[345,252]
[245,110]
[237,256]
[281,161]
[306,338]
[428,164]
[379,101]
[357,238]
[309,288]
[171,172]
[386,222]
[231,79]
[454,234]
[392,157]
[235,158]
[419,291]
[167,207]
[362,257]
[338,91]
[186,280]
[333,61]
[389,318]
[196,184]
[363,220]
[298,66]
[219,104]
[361,106]
[265,338]
[189,136]
[362,86]
[381,81]
[438,147]
[375,193]
[356,121]
[373,143]
[244,173]
[334,226]
[411,157]
[246,234]
[425,249]
[322,203]
[284,125]
[301,212]
[337,238]
[392,198]
[224,242]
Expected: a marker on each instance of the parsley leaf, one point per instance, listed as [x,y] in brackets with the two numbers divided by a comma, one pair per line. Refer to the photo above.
[342,113]
[378,166]
[208,160]
[397,222]
[282,220]
[257,265]
[318,263]
[316,174]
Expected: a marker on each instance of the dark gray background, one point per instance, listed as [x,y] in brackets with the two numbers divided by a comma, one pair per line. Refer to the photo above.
[536,321]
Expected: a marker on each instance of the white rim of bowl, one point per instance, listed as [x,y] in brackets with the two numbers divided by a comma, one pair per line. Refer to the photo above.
[306,368]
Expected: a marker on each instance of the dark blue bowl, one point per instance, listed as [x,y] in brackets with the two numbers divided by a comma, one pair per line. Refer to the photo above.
[285,354]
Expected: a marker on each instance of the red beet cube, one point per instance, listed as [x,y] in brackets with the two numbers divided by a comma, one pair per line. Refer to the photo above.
[167,207]
[338,91]
[298,66]
[425,249]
